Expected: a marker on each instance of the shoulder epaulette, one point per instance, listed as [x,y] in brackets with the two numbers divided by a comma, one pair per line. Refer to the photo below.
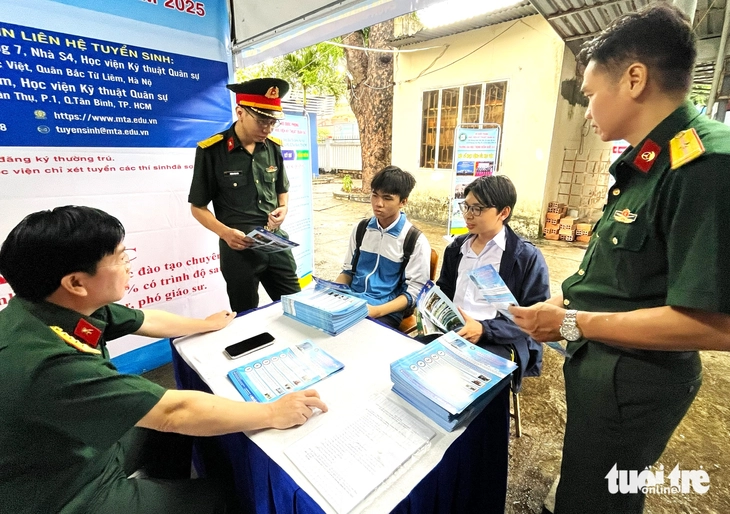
[72,341]
[685,147]
[276,140]
[205,143]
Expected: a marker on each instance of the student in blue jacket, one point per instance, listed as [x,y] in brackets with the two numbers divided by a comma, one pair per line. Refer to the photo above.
[487,208]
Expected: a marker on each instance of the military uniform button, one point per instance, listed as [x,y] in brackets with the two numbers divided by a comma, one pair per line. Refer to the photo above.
[615,240]
[616,192]
[257,181]
[566,302]
[235,184]
[259,201]
[581,272]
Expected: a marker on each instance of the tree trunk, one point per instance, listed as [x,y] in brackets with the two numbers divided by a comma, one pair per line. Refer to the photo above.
[370,92]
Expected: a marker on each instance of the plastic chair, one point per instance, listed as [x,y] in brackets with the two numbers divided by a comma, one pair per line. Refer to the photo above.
[409,323]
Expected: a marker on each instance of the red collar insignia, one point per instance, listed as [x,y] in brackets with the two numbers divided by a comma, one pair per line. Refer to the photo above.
[87,332]
[231,144]
[647,155]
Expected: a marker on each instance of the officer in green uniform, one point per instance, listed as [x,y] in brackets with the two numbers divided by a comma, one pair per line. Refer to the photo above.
[241,170]
[73,428]
[654,284]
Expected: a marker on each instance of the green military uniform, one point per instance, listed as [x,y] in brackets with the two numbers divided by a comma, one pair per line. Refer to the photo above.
[244,189]
[661,241]
[68,441]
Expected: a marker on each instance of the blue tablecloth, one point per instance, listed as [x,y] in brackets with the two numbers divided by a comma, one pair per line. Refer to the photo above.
[471,477]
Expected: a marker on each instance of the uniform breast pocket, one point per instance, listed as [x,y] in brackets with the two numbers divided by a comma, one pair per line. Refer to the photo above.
[233,179]
[270,173]
[629,237]
[631,258]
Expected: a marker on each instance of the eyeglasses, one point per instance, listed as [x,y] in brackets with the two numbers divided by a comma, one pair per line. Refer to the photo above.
[264,123]
[476,210]
[124,259]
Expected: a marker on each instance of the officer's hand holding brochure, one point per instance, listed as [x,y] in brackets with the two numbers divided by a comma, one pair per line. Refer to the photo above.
[495,291]
[436,314]
[266,241]
[291,369]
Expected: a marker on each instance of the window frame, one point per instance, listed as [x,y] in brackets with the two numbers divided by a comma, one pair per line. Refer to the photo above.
[423,159]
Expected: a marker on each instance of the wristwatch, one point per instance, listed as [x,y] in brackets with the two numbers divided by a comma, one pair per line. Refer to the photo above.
[569,328]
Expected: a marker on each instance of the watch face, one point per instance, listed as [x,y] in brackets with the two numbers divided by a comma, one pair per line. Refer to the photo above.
[570,332]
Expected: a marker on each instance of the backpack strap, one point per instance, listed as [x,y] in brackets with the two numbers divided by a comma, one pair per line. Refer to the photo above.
[359,235]
[408,246]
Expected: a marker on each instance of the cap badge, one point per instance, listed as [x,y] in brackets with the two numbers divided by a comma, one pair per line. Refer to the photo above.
[273,92]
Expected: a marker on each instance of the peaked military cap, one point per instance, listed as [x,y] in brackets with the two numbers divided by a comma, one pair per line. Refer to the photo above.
[261,95]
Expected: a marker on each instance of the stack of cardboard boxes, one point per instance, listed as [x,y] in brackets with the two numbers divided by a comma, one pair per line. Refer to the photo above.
[560,227]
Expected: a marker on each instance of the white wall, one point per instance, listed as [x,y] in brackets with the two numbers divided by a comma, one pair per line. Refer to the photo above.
[529,56]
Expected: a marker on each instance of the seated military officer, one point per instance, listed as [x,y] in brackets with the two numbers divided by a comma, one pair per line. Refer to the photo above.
[73,427]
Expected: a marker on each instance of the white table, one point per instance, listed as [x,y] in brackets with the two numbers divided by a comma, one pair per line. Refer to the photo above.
[366,350]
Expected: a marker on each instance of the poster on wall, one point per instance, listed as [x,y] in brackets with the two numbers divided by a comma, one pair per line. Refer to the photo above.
[475,155]
[102,104]
[294,132]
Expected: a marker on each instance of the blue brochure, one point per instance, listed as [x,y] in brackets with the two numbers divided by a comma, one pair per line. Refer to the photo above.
[292,369]
[493,289]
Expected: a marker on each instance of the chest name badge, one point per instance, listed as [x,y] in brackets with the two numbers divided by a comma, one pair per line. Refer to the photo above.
[271,169]
[624,216]
[685,147]
[648,153]
[72,341]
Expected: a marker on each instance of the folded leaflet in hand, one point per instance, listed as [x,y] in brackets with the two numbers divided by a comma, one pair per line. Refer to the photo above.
[450,379]
[436,314]
[266,241]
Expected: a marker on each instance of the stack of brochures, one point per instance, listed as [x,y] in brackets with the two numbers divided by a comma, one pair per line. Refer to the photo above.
[291,369]
[450,380]
[326,307]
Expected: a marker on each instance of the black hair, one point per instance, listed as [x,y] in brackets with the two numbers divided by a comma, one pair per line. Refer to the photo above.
[659,36]
[495,191]
[48,245]
[392,180]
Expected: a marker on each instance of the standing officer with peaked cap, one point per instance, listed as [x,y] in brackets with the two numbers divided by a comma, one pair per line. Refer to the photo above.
[241,170]
[654,284]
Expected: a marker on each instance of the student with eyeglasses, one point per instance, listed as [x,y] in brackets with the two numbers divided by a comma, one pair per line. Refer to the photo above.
[75,433]
[487,208]
[241,171]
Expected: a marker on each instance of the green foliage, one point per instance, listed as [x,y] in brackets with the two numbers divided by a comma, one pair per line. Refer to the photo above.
[317,69]
[347,184]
